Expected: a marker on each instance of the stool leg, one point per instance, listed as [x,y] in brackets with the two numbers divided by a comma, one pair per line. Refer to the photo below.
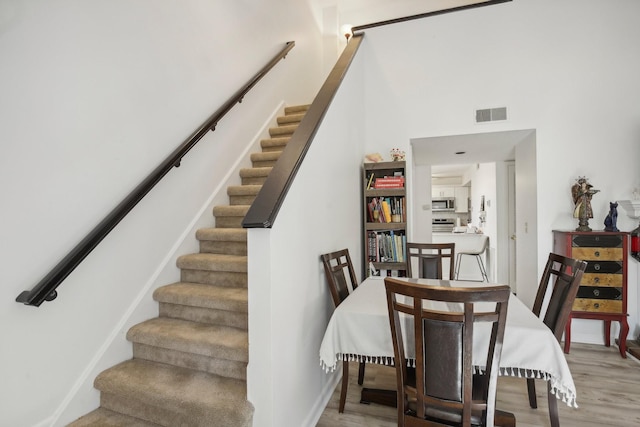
[482,269]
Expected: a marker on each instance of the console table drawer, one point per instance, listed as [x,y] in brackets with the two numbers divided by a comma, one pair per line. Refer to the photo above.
[605,254]
[600,292]
[604,267]
[597,305]
[598,279]
[598,240]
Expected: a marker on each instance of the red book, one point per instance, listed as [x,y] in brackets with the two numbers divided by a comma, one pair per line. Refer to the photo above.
[388,185]
[389,182]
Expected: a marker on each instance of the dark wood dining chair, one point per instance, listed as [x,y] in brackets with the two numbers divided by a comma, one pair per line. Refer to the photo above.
[341,278]
[446,391]
[556,293]
[429,257]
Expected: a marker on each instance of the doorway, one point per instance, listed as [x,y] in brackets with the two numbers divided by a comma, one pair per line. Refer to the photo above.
[513,153]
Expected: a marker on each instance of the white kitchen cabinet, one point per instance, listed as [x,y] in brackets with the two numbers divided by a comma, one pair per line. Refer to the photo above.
[442,191]
[462,199]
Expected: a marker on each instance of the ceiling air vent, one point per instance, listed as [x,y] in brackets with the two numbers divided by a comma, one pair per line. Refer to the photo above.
[491,114]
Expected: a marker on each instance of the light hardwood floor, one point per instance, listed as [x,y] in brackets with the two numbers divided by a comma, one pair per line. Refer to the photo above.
[608,394]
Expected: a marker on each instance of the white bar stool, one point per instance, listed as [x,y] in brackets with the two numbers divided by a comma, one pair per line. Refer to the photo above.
[478,251]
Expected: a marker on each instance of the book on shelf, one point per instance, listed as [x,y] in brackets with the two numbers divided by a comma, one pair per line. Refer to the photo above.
[372,245]
[386,246]
[376,213]
[389,182]
[370,180]
[387,209]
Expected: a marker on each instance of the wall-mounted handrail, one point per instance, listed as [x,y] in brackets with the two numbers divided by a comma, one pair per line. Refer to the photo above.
[265,207]
[426,15]
[45,290]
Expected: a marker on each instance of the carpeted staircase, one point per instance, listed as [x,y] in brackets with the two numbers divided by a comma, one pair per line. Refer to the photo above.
[189,364]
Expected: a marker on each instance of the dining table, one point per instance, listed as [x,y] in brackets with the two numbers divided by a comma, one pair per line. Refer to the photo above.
[359,330]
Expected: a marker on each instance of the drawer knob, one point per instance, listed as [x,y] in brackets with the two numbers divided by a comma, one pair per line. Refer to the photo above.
[596,305]
[596,267]
[596,292]
[596,280]
[597,253]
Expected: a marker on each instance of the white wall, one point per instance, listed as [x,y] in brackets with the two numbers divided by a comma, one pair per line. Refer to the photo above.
[94,96]
[289,300]
[567,70]
[421,220]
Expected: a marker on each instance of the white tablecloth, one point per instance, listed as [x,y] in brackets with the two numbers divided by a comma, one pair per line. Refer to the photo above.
[359,331]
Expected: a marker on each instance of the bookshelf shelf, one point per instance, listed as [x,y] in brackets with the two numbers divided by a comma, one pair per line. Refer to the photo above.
[379,227]
[385,192]
[385,216]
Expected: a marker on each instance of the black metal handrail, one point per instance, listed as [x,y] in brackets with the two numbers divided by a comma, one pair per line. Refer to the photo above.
[426,15]
[45,290]
[265,207]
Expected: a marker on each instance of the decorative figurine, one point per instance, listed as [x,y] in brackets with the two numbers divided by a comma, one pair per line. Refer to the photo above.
[612,218]
[397,155]
[373,158]
[582,193]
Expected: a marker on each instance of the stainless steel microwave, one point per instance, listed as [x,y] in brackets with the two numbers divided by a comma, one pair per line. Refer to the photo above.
[443,204]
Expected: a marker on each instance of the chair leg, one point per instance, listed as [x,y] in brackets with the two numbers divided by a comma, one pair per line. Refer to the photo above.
[361,373]
[345,383]
[531,389]
[553,407]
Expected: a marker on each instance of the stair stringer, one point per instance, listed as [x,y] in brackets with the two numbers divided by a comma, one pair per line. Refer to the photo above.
[115,347]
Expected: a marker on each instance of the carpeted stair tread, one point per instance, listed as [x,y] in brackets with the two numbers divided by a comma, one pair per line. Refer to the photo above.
[274,144]
[221,342]
[295,109]
[290,119]
[222,234]
[267,156]
[230,216]
[201,295]
[174,395]
[231,210]
[243,190]
[280,131]
[243,195]
[213,262]
[102,417]
[255,172]
[230,241]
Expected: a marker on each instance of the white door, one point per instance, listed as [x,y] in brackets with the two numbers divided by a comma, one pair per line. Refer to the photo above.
[511,215]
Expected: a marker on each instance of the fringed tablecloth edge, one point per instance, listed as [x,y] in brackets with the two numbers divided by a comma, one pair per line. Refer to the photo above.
[379,360]
[558,389]
[561,391]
